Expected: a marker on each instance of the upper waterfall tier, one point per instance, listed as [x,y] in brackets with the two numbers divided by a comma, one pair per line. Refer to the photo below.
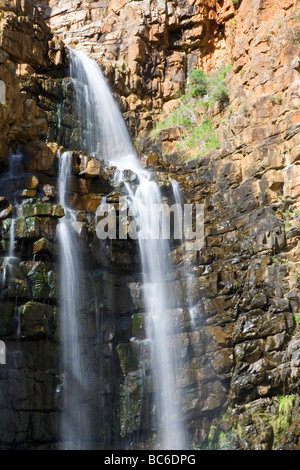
[103,130]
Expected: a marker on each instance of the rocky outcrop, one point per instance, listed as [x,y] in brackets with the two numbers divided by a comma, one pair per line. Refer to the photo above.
[28,53]
[146,49]
[249,186]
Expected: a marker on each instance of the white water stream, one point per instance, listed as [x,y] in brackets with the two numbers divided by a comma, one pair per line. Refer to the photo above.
[15,172]
[106,136]
[75,416]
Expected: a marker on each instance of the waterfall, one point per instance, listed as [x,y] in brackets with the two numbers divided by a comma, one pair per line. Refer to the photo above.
[190,277]
[177,193]
[74,422]
[154,255]
[16,165]
[12,239]
[15,173]
[9,183]
[106,136]
[105,133]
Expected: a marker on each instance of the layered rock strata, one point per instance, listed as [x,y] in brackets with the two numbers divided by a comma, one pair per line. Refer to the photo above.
[146,49]
[251,195]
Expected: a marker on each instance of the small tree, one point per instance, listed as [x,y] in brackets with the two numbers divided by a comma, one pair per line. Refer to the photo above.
[198,83]
[217,89]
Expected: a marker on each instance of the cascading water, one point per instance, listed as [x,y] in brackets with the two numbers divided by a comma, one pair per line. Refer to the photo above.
[106,136]
[10,182]
[75,416]
[193,309]
[154,255]
[12,179]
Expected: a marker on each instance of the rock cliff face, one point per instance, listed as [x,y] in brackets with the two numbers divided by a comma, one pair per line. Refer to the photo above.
[27,50]
[241,345]
[28,311]
[147,48]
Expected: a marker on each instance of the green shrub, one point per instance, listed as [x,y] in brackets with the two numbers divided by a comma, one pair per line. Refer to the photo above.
[198,83]
[217,88]
[183,116]
[213,86]
[283,418]
[203,137]
[198,134]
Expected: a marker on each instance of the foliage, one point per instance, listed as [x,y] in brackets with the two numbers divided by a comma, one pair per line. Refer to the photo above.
[202,92]
[214,86]
[203,137]
[217,89]
[297,16]
[234,430]
[179,117]
[297,319]
[198,83]
[283,419]
[295,36]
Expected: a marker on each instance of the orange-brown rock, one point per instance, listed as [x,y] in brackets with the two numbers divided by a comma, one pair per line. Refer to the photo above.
[27,48]
[145,48]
